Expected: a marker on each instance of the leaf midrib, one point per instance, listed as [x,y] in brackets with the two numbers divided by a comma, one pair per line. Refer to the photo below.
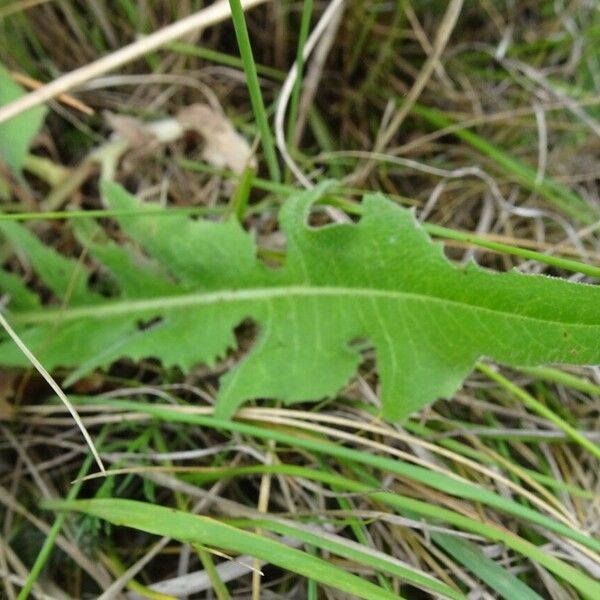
[161,303]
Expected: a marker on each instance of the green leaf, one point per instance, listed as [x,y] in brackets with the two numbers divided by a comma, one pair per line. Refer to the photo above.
[66,278]
[17,133]
[195,529]
[380,280]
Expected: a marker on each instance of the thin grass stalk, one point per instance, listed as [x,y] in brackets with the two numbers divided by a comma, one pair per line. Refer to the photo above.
[258,105]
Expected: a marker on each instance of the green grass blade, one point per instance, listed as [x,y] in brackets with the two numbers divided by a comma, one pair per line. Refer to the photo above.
[404,505]
[401,504]
[195,529]
[295,97]
[500,580]
[283,189]
[223,59]
[541,409]
[558,376]
[238,203]
[258,105]
[554,261]
[441,482]
[219,587]
[352,552]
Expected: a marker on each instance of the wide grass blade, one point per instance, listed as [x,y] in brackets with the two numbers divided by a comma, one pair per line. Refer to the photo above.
[195,529]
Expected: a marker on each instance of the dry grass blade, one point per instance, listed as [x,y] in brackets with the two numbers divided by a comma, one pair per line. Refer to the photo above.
[288,86]
[215,13]
[55,387]
[34,84]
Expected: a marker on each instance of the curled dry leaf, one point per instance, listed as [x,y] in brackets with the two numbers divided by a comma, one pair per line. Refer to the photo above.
[224,146]
[136,132]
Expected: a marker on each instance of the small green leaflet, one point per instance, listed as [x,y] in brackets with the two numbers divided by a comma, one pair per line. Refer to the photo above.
[180,297]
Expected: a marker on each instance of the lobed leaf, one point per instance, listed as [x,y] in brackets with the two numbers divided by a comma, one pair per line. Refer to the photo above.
[381,279]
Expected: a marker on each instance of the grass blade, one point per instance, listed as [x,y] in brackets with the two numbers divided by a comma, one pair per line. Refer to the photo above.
[500,580]
[197,529]
[542,410]
[258,105]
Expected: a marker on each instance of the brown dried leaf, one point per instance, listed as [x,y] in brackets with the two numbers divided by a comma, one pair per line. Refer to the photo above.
[131,129]
[224,146]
